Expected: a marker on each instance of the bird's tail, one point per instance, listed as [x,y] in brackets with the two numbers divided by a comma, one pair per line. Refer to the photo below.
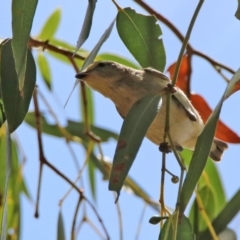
[217,149]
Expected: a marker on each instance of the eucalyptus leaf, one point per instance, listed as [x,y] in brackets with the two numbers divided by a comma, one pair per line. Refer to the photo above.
[140,34]
[22,17]
[16,102]
[87,24]
[51,25]
[45,70]
[134,129]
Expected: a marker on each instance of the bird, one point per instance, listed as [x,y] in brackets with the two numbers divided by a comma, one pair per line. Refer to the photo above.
[124,86]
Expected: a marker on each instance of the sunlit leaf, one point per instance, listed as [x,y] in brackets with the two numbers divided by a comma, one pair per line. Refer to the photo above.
[184,229]
[140,34]
[51,25]
[45,70]
[16,102]
[22,17]
[87,24]
[134,128]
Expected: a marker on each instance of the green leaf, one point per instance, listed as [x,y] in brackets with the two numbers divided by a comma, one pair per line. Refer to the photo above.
[60,227]
[134,129]
[73,128]
[116,58]
[210,177]
[92,178]
[44,69]
[184,229]
[237,14]
[51,25]
[225,216]
[140,34]
[87,24]
[209,200]
[203,147]
[96,49]
[22,17]
[16,102]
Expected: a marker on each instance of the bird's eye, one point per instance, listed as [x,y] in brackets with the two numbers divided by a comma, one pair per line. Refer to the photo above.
[101,64]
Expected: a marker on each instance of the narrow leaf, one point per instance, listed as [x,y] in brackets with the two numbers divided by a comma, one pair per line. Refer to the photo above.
[51,25]
[140,34]
[22,17]
[93,54]
[60,227]
[203,147]
[87,24]
[44,70]
[134,128]
[96,49]
[92,178]
[16,102]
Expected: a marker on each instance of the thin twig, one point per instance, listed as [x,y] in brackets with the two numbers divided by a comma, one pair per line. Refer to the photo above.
[140,222]
[75,217]
[119,218]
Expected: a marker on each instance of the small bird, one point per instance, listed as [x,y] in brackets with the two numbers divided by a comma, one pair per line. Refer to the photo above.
[125,85]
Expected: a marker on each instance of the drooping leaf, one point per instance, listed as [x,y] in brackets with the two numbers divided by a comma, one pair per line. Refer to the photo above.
[16,102]
[73,128]
[184,229]
[97,47]
[22,17]
[51,25]
[60,227]
[140,34]
[203,147]
[92,178]
[134,128]
[87,24]
[44,69]
[93,54]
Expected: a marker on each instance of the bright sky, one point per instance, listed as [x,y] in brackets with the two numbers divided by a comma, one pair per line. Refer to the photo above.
[216,33]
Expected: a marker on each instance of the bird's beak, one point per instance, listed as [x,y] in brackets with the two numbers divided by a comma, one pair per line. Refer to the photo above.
[81,75]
